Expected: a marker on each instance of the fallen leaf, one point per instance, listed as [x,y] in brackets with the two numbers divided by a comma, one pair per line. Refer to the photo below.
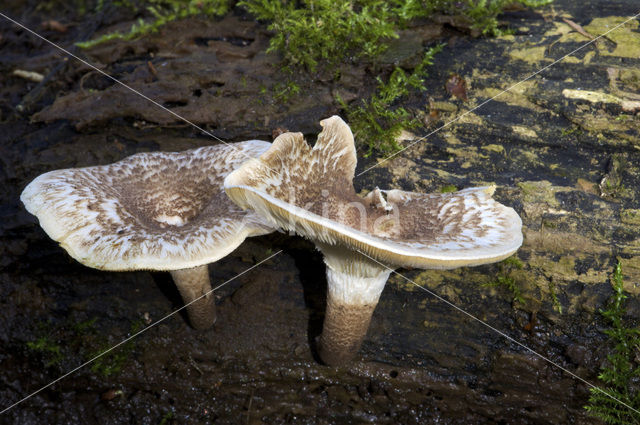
[532,323]
[456,86]
[431,117]
[152,69]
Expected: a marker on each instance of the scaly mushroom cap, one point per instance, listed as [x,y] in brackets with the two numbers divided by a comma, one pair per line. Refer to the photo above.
[310,191]
[150,211]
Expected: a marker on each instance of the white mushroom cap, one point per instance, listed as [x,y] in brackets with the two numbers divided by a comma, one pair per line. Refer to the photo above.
[310,191]
[150,211]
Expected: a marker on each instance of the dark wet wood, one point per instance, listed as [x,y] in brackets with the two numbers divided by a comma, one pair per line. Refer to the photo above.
[568,165]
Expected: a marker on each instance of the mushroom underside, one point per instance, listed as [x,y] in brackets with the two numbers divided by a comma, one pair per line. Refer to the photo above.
[478,231]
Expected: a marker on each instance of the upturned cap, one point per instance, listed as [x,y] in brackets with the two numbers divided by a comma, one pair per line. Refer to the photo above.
[150,211]
[310,191]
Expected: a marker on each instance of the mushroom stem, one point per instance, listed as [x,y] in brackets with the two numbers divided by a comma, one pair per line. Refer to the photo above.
[354,285]
[193,283]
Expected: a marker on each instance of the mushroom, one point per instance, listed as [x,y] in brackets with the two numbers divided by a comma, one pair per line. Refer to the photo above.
[151,211]
[310,191]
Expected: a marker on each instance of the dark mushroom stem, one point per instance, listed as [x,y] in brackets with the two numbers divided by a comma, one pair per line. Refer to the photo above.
[354,285]
[193,283]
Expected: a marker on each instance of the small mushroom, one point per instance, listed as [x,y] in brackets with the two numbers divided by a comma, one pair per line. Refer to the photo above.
[151,211]
[310,191]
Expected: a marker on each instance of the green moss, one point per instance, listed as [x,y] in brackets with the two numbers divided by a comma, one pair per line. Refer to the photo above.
[622,369]
[630,216]
[448,188]
[630,79]
[506,280]
[402,283]
[571,130]
[159,12]
[494,148]
[531,55]
[86,326]
[626,38]
[539,192]
[375,122]
[311,32]
[50,351]
[112,362]
[284,92]
[167,418]
[81,340]
[554,297]
[484,13]
[325,31]
[611,185]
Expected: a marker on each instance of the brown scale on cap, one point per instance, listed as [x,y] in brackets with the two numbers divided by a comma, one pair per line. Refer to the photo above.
[151,211]
[310,191]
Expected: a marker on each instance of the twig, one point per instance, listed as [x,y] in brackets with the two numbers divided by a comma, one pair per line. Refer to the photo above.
[249,406]
[578,28]
[195,366]
[36,77]
[152,69]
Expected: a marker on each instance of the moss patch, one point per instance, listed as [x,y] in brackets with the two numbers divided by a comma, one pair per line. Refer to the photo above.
[494,148]
[506,280]
[631,274]
[621,372]
[531,55]
[630,79]
[525,131]
[626,37]
[630,216]
[50,351]
[160,12]
[377,122]
[536,192]
[328,31]
[559,242]
[517,96]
